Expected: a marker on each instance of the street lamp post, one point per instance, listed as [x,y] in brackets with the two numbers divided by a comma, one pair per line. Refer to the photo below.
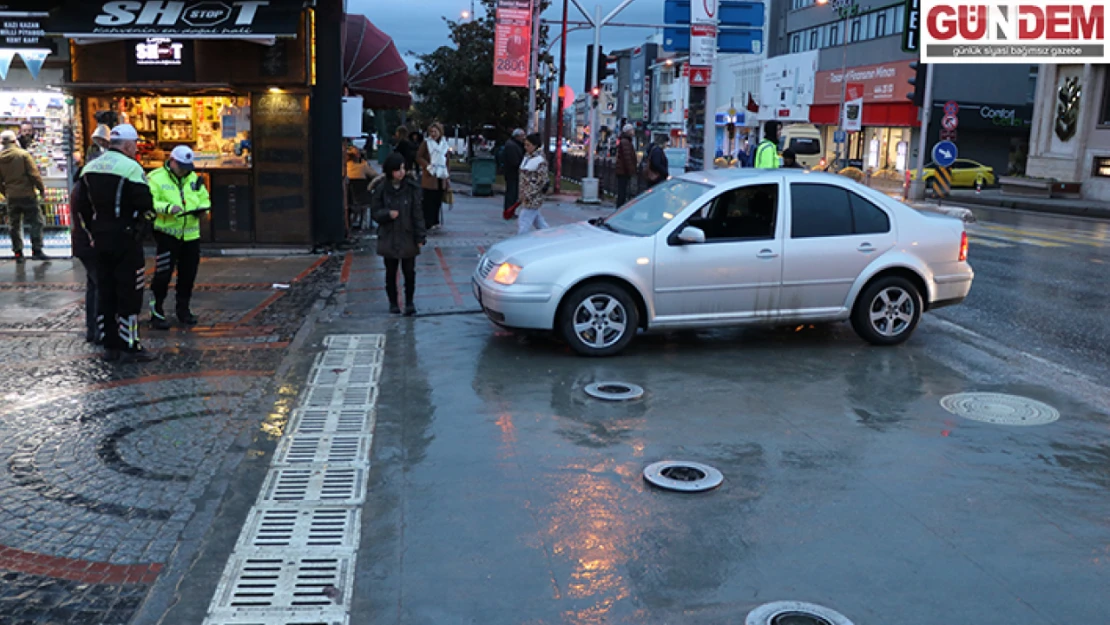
[846,9]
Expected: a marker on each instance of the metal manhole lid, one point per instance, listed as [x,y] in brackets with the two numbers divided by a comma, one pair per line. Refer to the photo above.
[614,391]
[1000,409]
[794,613]
[683,476]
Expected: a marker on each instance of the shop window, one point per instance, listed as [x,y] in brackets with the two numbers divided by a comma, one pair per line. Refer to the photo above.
[1102,167]
[217,127]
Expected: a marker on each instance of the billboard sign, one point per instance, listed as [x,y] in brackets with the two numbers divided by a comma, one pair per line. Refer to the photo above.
[512,48]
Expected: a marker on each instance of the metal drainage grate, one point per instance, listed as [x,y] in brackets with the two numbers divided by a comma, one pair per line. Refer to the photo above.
[683,476]
[323,449]
[336,342]
[326,616]
[334,485]
[360,375]
[339,397]
[329,421]
[614,391]
[1000,409]
[295,528]
[351,358]
[274,583]
[794,613]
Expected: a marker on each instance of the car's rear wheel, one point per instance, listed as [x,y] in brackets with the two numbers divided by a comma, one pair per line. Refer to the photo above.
[598,319]
[887,311]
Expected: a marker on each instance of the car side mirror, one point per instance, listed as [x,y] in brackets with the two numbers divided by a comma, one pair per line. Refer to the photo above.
[691,235]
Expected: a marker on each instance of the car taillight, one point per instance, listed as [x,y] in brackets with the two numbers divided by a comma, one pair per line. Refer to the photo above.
[963,247]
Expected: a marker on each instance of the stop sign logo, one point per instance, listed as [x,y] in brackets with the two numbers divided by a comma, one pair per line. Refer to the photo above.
[207,14]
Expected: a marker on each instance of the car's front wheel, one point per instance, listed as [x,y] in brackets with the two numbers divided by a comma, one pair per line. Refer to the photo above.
[887,311]
[598,319]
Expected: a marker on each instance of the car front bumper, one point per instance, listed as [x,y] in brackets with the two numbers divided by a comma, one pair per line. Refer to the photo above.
[530,307]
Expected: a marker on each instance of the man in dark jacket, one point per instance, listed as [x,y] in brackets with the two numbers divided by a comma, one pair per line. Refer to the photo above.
[657,168]
[406,148]
[115,206]
[626,163]
[21,184]
[81,245]
[511,157]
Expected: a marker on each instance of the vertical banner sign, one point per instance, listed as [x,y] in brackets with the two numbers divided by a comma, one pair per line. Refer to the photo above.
[703,33]
[853,107]
[512,43]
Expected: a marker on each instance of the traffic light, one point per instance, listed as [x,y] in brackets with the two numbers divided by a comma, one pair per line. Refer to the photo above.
[595,93]
[602,65]
[921,72]
[589,68]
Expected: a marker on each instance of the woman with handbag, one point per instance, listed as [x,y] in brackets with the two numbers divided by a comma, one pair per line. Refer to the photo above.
[533,180]
[396,206]
[435,178]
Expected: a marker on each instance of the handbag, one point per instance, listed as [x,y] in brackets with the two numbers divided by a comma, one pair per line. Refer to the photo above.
[448,197]
[510,212]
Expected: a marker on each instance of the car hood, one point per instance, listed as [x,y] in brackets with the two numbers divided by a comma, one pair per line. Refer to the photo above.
[572,238]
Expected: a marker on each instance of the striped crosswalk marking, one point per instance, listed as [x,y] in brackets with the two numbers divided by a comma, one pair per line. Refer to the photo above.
[987,242]
[1075,238]
[1017,239]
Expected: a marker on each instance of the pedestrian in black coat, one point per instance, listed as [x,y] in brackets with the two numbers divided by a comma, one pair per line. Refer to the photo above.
[81,245]
[396,206]
[511,158]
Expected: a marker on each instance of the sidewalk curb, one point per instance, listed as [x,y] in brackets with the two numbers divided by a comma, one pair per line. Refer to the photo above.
[1095,212]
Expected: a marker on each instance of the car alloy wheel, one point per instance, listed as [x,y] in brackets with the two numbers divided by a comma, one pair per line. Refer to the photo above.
[887,311]
[600,321]
[892,311]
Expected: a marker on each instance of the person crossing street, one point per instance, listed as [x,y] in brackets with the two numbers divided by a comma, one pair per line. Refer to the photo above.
[179,199]
[115,205]
[767,153]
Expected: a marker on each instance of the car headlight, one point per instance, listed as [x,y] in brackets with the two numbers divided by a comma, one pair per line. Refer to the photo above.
[506,274]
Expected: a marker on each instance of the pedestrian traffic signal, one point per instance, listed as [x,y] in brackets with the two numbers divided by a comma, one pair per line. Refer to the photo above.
[595,92]
[921,72]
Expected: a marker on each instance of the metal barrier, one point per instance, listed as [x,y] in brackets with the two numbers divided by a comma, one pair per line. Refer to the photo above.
[605,170]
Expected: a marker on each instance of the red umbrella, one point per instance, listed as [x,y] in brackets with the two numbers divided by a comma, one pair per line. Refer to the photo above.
[372,66]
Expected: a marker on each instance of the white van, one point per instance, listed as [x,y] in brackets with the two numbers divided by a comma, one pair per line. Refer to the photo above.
[806,142]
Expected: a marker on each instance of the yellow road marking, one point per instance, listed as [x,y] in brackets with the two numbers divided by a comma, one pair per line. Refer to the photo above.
[987,242]
[1075,238]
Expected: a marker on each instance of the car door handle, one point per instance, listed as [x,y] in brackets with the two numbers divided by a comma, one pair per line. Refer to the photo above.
[766,254]
[866,248]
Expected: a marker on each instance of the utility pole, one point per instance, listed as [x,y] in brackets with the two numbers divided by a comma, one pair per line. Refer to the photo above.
[590,193]
[560,95]
[533,121]
[917,186]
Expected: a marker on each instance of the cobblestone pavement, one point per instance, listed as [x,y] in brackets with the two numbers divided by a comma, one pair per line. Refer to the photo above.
[104,468]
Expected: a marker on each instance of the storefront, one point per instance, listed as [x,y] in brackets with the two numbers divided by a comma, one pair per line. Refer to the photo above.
[32,106]
[233,81]
[887,117]
[996,135]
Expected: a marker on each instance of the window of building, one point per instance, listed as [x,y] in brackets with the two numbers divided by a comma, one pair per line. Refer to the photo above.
[814,39]
[834,35]
[796,43]
[1101,167]
[1104,110]
[854,32]
[880,25]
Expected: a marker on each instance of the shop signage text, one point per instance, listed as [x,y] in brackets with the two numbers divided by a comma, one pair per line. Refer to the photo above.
[1014,31]
[22,32]
[191,18]
[881,83]
[158,51]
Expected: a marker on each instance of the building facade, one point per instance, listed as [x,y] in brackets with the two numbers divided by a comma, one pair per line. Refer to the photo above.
[1070,138]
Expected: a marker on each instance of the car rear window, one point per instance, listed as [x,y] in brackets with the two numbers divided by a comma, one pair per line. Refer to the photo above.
[805,146]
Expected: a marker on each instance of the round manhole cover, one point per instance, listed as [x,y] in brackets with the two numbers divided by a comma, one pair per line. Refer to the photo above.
[1000,409]
[683,476]
[795,613]
[614,391]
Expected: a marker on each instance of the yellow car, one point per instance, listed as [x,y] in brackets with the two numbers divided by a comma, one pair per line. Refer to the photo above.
[964,173]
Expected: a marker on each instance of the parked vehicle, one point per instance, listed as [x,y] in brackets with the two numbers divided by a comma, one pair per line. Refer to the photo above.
[806,142]
[965,172]
[730,247]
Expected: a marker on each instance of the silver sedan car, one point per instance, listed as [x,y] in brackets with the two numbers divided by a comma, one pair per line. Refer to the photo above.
[730,247]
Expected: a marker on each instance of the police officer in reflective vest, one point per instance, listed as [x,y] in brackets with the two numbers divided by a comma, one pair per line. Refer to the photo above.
[179,199]
[113,201]
[767,153]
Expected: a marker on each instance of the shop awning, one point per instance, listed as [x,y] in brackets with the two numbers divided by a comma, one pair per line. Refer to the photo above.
[372,66]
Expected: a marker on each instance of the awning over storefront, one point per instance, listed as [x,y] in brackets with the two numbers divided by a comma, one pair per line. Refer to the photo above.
[876,115]
[372,66]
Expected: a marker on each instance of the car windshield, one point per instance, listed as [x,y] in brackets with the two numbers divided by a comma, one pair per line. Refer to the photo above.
[650,211]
